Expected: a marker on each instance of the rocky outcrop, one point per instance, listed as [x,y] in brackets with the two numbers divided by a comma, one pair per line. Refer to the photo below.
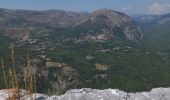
[114,24]
[95,94]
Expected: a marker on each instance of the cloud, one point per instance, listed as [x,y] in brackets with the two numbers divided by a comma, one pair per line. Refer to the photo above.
[157,8]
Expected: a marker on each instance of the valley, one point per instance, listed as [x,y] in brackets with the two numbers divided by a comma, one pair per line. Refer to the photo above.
[105,49]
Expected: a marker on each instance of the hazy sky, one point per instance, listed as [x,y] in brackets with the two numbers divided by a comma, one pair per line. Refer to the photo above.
[127,6]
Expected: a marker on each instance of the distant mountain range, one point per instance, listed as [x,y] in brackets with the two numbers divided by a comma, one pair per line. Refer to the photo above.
[104,22]
[152,19]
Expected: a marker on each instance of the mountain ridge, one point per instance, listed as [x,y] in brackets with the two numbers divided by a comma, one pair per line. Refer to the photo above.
[111,20]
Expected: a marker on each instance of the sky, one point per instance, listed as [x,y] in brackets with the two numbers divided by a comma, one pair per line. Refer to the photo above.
[131,7]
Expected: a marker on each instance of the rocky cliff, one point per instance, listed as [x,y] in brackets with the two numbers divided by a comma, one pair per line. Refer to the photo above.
[95,94]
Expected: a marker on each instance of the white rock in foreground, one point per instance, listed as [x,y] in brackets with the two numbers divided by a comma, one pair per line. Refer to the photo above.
[95,94]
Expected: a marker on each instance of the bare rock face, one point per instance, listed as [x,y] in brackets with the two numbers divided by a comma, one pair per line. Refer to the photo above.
[116,23]
[95,94]
[113,94]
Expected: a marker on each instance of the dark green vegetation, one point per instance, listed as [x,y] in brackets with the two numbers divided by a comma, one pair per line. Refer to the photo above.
[133,66]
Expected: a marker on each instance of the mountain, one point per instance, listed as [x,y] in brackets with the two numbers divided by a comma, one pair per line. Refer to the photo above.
[145,18]
[21,18]
[102,22]
[114,23]
[155,29]
[95,94]
[152,19]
